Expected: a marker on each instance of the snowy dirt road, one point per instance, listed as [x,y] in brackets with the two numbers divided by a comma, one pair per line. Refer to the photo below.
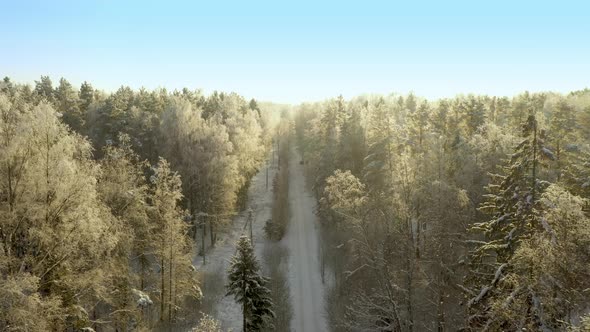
[307,291]
[260,201]
[305,283]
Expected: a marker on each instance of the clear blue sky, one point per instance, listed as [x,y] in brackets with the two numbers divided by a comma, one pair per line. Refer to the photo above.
[293,51]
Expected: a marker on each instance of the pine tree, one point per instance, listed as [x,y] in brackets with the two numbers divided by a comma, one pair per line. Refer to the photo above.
[440,117]
[561,130]
[474,113]
[44,89]
[411,103]
[67,102]
[85,97]
[417,126]
[248,287]
[7,87]
[352,147]
[583,121]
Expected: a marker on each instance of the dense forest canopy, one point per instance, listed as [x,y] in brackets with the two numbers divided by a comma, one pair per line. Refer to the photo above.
[99,194]
[469,213]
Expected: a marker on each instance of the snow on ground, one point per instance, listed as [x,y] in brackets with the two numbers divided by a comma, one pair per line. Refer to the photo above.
[217,259]
[307,291]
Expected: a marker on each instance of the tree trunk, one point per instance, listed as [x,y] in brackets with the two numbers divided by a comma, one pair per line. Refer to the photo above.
[534,177]
[440,315]
[162,296]
[170,267]
[410,296]
[203,243]
[244,304]
[211,233]
[142,264]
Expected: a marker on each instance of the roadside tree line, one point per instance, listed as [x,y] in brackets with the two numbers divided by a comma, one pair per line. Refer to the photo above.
[470,212]
[98,193]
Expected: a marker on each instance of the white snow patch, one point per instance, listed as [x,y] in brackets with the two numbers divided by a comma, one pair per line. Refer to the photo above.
[143,299]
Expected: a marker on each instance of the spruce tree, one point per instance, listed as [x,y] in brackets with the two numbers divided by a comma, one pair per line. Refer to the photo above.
[381,136]
[248,287]
[331,121]
[513,203]
[577,174]
[352,145]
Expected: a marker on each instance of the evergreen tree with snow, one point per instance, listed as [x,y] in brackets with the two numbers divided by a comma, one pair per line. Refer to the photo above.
[577,173]
[513,202]
[248,287]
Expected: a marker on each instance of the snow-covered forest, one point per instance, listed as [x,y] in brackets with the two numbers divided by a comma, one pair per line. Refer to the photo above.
[100,199]
[122,211]
[294,166]
[470,213]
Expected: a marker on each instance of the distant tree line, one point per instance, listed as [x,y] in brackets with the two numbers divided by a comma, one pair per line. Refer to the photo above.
[98,197]
[467,213]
